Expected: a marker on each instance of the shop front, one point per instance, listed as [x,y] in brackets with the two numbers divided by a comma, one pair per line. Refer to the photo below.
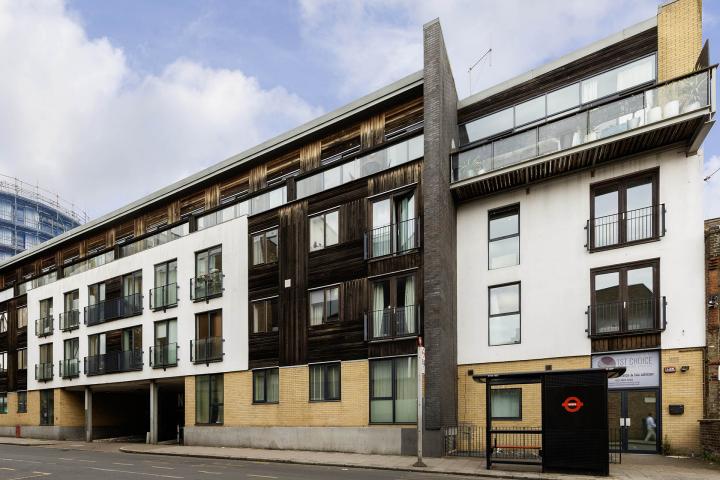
[634,400]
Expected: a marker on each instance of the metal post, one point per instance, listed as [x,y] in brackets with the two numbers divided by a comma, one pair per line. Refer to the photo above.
[153,412]
[420,378]
[88,414]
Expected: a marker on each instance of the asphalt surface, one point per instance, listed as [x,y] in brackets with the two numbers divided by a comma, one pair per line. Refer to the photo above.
[22,462]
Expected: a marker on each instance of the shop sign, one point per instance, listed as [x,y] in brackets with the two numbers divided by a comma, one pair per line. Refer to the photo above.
[642,368]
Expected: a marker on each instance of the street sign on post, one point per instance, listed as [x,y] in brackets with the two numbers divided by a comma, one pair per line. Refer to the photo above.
[420,380]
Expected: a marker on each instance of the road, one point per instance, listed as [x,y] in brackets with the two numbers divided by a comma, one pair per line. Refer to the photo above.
[22,462]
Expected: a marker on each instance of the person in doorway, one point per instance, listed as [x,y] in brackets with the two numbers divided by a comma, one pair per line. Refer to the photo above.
[650,427]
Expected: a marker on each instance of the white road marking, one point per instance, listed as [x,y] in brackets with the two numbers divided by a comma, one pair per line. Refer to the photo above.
[134,473]
[18,460]
[7,468]
[260,476]
[166,468]
[34,475]
[211,473]
[126,464]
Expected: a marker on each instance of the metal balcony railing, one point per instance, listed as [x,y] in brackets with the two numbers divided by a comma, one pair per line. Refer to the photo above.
[624,228]
[164,297]
[627,317]
[69,368]
[394,322]
[206,350]
[205,287]
[44,372]
[393,239]
[113,362]
[114,308]
[44,326]
[163,356]
[69,320]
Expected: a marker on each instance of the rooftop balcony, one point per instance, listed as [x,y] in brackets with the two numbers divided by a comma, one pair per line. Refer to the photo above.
[675,112]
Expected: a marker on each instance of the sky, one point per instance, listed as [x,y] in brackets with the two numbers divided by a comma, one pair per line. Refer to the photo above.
[106,101]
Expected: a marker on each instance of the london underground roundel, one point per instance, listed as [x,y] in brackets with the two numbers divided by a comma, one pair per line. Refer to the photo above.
[572,404]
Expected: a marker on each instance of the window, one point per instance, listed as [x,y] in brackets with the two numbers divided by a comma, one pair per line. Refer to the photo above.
[208,280]
[44,326]
[207,346]
[266,385]
[72,301]
[625,298]
[393,390]
[324,230]
[264,247]
[22,317]
[506,404]
[563,99]
[70,318]
[3,362]
[165,292]
[70,365]
[325,382]
[624,210]
[96,293]
[3,322]
[264,315]
[3,402]
[504,237]
[618,79]
[46,354]
[504,314]
[22,359]
[394,225]
[487,126]
[530,111]
[22,402]
[47,407]
[324,306]
[393,305]
[209,395]
[132,285]
[165,350]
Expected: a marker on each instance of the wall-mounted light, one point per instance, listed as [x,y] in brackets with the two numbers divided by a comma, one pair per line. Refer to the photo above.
[713,301]
[684,368]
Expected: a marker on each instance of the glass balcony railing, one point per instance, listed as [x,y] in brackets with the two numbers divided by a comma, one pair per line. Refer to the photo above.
[88,264]
[164,296]
[364,166]
[163,356]
[44,372]
[69,368]
[113,308]
[206,286]
[206,350]
[651,106]
[112,362]
[70,320]
[155,240]
[44,326]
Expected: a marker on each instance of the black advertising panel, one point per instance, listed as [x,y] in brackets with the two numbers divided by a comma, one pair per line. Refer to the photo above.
[575,422]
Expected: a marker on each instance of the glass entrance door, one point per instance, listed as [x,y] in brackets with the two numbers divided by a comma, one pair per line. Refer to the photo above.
[633,421]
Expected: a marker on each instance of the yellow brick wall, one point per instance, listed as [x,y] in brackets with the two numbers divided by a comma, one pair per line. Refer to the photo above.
[294,407]
[69,408]
[31,418]
[471,395]
[683,431]
[679,37]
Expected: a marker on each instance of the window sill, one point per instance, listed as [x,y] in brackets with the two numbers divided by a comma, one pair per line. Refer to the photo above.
[394,339]
[326,401]
[164,307]
[615,246]
[394,254]
[266,403]
[401,424]
[206,299]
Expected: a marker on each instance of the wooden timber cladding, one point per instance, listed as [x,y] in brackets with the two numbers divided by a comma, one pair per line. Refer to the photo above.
[627,342]
[343,265]
[366,129]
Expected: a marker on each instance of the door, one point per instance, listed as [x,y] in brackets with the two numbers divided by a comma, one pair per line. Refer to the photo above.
[633,420]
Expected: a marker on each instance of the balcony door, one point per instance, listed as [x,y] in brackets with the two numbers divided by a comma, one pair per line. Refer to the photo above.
[165,284]
[393,224]
[394,307]
[166,342]
[625,299]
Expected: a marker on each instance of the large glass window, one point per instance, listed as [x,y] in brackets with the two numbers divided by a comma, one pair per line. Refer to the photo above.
[22,402]
[3,403]
[208,337]
[3,362]
[165,292]
[209,399]
[487,126]
[324,305]
[619,79]
[264,247]
[504,318]
[264,314]
[504,237]
[208,280]
[563,99]
[625,211]
[324,230]
[394,307]
[530,111]
[3,322]
[22,317]
[266,385]
[506,404]
[325,382]
[625,298]
[394,225]
[165,350]
[22,359]
[47,407]
[393,390]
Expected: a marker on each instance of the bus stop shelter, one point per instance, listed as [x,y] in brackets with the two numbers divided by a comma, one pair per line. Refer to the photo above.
[574,434]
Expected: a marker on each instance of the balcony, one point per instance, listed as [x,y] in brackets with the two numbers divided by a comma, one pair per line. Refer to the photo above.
[681,110]
[646,315]
[112,309]
[114,362]
[44,326]
[206,350]
[205,287]
[393,239]
[69,368]
[163,356]
[397,322]
[44,372]
[626,228]
[164,297]
[70,320]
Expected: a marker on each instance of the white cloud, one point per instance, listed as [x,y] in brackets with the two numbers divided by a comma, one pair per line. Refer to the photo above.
[76,118]
[711,198]
[374,42]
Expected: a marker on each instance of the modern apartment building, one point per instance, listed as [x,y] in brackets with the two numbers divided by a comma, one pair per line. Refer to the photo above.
[277,298]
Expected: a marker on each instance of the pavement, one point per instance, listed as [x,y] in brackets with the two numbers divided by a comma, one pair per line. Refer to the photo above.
[195,462]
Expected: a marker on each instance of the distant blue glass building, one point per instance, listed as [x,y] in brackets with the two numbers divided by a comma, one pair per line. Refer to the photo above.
[30,215]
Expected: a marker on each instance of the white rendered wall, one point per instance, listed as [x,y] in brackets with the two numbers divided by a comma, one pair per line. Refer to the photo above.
[231,235]
[554,268]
